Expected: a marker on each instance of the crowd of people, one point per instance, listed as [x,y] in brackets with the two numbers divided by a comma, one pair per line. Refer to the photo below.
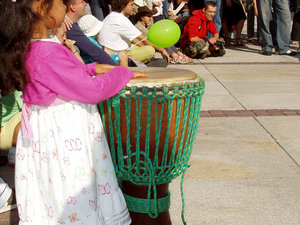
[47,41]
[273,23]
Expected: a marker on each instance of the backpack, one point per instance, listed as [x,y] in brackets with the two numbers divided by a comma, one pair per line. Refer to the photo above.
[181,21]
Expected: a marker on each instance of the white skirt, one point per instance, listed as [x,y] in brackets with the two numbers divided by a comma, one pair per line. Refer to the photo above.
[65,174]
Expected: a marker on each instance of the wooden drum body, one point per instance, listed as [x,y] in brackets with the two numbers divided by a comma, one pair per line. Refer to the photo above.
[150,127]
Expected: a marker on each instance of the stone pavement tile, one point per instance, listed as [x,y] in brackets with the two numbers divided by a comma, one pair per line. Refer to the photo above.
[260,87]
[231,129]
[256,73]
[224,102]
[213,160]
[286,130]
[282,128]
[292,148]
[227,148]
[237,202]
[269,100]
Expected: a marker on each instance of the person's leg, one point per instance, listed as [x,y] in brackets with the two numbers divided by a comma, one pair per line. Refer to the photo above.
[166,5]
[283,25]
[8,137]
[264,8]
[239,27]
[250,20]
[196,49]
[96,9]
[217,19]
[123,58]
[143,54]
[225,29]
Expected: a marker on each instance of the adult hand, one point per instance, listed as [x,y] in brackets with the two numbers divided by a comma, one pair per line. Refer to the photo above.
[212,40]
[165,55]
[68,23]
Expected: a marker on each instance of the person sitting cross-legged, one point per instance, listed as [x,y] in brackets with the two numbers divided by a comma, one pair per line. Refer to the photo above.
[193,40]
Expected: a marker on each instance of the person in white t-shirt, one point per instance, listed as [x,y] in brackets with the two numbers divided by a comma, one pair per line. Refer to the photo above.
[119,34]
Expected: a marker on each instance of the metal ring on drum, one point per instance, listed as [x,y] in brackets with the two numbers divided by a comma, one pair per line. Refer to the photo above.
[150,127]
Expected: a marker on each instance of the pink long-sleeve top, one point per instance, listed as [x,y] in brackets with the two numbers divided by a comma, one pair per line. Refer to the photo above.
[54,70]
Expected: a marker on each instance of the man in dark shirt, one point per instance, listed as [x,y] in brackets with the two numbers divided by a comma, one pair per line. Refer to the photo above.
[75,10]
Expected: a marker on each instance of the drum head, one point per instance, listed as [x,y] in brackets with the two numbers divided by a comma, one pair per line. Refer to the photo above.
[163,77]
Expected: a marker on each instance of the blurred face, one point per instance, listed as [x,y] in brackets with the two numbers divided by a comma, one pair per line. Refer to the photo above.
[61,33]
[210,12]
[129,9]
[56,15]
[147,20]
[78,7]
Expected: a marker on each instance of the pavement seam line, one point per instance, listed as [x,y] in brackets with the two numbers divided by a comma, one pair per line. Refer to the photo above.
[286,152]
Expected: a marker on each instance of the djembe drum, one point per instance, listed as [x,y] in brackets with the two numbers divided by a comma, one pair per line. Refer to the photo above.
[150,127]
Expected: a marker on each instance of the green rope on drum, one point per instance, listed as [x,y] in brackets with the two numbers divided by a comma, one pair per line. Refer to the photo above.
[136,165]
[141,205]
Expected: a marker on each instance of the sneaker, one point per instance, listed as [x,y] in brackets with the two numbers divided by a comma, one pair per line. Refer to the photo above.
[266,52]
[10,204]
[288,52]
[12,156]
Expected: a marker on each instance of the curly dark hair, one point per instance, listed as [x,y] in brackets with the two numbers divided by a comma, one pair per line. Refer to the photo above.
[16,25]
[119,5]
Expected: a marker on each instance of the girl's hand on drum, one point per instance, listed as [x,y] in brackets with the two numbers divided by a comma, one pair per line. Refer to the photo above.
[139,74]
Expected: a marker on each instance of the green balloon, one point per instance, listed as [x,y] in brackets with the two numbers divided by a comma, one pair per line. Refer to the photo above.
[164,33]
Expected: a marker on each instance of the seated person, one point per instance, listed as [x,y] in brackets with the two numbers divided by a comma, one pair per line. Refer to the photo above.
[11,107]
[91,26]
[60,33]
[178,8]
[118,33]
[193,40]
[75,10]
[144,18]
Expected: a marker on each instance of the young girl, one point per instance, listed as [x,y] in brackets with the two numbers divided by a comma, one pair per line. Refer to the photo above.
[64,173]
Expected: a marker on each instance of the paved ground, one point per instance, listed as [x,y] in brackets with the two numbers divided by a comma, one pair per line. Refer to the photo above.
[245,161]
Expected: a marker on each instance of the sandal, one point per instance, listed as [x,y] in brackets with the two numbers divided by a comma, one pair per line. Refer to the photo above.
[227,41]
[239,42]
[187,58]
[180,60]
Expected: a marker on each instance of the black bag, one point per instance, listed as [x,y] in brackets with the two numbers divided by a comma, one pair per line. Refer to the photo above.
[181,21]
